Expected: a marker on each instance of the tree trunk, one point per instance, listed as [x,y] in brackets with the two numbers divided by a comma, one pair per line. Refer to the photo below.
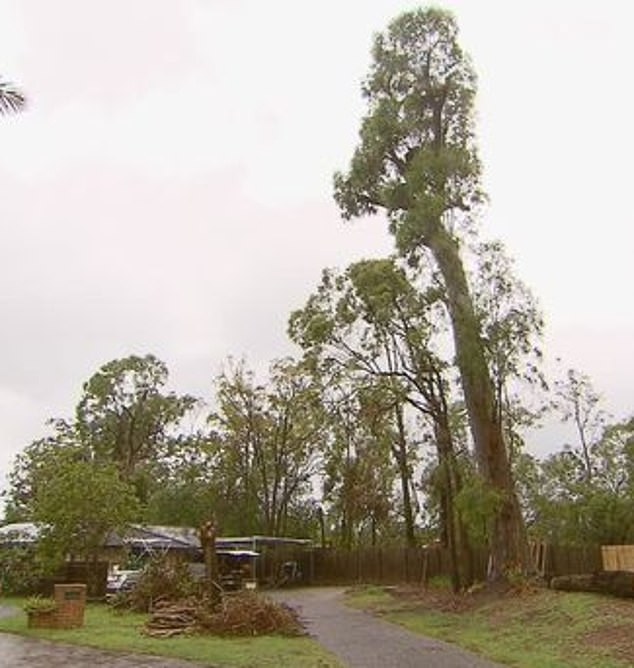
[447,496]
[212,573]
[508,544]
[400,453]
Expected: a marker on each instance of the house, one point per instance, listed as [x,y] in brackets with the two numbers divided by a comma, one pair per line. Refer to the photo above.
[267,557]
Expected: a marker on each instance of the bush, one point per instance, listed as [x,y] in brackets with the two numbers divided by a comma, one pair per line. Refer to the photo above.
[19,571]
[39,604]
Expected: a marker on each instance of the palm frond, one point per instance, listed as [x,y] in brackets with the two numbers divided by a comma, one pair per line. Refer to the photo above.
[11,99]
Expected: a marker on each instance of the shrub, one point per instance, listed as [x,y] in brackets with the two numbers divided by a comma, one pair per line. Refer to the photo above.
[40,604]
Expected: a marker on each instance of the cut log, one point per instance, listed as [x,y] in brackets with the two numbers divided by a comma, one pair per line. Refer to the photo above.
[616,583]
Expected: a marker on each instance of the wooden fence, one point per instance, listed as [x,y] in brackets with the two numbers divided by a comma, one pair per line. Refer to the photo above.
[618,557]
[387,565]
[392,565]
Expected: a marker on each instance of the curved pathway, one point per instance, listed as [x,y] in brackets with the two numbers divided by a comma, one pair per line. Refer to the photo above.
[362,640]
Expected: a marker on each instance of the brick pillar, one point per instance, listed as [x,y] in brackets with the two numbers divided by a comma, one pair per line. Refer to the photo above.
[71,603]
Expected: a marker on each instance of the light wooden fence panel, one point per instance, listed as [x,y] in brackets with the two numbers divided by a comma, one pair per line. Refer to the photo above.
[618,557]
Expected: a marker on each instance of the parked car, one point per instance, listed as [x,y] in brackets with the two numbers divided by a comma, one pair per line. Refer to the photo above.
[121,582]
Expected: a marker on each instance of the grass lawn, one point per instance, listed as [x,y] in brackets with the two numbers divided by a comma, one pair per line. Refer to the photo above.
[537,628]
[120,631]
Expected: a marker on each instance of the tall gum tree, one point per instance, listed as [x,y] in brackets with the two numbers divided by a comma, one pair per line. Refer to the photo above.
[417,161]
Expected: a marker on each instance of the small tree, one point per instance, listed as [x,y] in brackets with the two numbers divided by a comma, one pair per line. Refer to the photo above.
[81,503]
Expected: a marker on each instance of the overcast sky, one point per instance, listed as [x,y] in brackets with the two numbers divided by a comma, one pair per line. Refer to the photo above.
[169,188]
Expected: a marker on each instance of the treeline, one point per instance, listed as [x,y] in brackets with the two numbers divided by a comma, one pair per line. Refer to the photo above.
[402,416]
[323,449]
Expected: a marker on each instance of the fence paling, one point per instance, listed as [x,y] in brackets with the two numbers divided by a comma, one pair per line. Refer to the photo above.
[393,565]
[618,557]
[386,565]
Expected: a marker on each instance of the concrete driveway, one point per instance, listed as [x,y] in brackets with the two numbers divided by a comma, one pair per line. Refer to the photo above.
[361,640]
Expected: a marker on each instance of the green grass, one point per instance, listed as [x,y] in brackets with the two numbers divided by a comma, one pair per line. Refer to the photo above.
[120,632]
[546,629]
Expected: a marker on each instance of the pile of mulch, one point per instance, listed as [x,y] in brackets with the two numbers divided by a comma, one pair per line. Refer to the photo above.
[238,614]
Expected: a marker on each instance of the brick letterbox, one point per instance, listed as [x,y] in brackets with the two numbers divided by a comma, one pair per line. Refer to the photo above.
[71,603]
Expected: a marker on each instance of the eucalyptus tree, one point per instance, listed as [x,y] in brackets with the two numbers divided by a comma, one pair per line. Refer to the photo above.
[125,416]
[76,499]
[586,490]
[578,402]
[512,327]
[417,161]
[572,508]
[373,325]
[358,475]
[268,442]
[124,419]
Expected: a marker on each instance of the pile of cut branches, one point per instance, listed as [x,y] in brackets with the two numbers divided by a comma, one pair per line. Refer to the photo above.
[171,619]
[248,613]
[238,614]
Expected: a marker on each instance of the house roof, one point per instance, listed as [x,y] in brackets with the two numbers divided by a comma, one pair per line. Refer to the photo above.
[20,533]
[142,536]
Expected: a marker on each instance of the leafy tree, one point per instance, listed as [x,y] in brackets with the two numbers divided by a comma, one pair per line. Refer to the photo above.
[579,403]
[512,328]
[123,420]
[187,492]
[20,572]
[126,418]
[268,443]
[11,98]
[358,477]
[572,507]
[30,470]
[371,326]
[81,502]
[417,161]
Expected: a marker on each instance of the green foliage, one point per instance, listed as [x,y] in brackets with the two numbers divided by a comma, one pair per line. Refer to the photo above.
[80,504]
[124,417]
[124,438]
[39,604]
[478,503]
[417,161]
[266,446]
[416,156]
[586,495]
[19,571]
[512,327]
